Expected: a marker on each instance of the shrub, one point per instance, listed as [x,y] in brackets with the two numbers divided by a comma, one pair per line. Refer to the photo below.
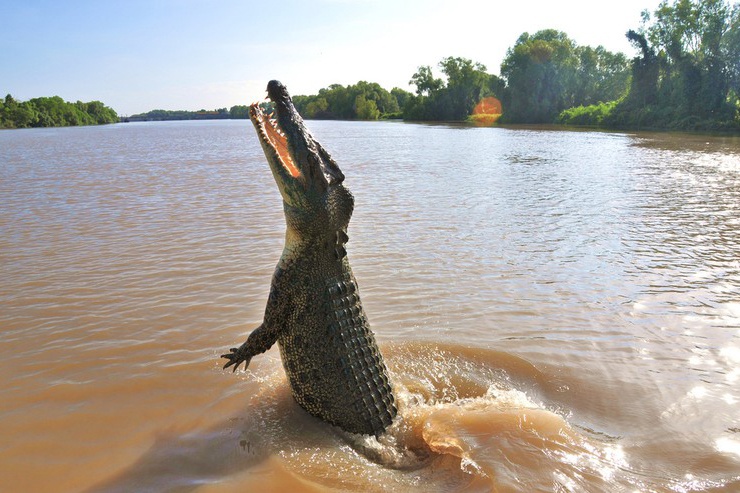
[592,115]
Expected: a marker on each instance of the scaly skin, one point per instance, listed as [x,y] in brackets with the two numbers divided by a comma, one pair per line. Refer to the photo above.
[314,312]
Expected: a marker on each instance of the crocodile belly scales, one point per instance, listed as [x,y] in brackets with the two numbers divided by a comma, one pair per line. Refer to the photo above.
[341,377]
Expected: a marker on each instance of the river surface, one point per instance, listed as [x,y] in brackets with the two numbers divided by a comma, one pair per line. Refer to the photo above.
[559,311]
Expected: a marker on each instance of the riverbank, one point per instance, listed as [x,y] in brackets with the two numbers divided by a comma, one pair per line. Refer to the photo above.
[621,115]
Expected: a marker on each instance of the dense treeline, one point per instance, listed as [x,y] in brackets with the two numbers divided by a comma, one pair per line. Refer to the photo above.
[542,75]
[53,112]
[162,115]
[687,76]
[454,98]
[237,112]
[435,99]
[687,73]
[548,72]
[361,101]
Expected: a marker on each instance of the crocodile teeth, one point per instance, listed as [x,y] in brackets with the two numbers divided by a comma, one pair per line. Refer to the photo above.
[275,137]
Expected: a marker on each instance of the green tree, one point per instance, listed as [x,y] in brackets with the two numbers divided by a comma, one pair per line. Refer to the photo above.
[645,72]
[601,75]
[541,74]
[317,108]
[453,98]
[548,72]
[425,82]
[301,101]
[239,112]
[467,83]
[366,109]
[363,100]
[372,91]
[17,114]
[96,112]
[401,96]
[692,38]
[730,49]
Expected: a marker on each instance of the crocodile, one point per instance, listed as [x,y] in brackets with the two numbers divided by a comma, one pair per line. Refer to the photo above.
[314,313]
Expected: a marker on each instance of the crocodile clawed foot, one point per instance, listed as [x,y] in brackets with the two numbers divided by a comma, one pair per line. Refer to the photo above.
[236,357]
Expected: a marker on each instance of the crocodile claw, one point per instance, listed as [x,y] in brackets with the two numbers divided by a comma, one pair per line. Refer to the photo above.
[236,357]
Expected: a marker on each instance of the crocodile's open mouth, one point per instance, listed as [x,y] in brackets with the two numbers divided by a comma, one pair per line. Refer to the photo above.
[302,169]
[270,133]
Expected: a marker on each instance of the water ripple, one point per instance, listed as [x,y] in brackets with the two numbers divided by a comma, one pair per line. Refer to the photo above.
[132,255]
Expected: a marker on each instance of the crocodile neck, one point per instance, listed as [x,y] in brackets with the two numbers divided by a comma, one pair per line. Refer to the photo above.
[320,249]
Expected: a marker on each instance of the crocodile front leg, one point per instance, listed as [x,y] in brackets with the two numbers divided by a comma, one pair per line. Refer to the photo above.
[260,340]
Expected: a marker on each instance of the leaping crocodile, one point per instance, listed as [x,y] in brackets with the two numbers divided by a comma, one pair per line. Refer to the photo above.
[314,312]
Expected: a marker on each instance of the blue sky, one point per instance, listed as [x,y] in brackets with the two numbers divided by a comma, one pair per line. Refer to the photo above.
[190,54]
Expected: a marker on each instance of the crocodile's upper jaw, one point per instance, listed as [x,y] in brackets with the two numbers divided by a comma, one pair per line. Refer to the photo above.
[303,170]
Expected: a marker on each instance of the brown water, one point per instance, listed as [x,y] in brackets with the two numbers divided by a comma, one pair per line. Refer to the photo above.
[560,311]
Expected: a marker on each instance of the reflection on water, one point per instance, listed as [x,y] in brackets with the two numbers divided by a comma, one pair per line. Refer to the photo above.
[559,310]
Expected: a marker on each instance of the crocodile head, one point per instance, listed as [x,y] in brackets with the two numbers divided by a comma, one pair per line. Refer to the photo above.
[315,201]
